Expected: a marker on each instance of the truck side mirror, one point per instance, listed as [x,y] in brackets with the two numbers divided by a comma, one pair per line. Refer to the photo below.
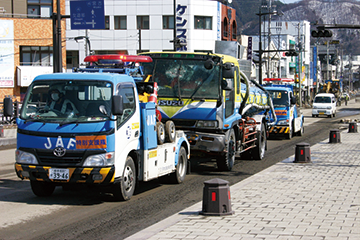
[293,100]
[117,106]
[227,84]
[209,64]
[228,70]
[8,107]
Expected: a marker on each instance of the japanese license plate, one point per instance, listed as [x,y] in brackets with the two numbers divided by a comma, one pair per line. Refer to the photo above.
[59,174]
[322,112]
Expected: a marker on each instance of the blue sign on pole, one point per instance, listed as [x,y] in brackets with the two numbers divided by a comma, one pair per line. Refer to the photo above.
[85,14]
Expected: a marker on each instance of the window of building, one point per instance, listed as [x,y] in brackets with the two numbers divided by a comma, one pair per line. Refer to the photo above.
[168,22]
[234,30]
[120,22]
[39,8]
[36,56]
[107,23]
[143,22]
[226,30]
[202,22]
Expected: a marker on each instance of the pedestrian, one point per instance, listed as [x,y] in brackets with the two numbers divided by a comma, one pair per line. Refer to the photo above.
[339,101]
[346,99]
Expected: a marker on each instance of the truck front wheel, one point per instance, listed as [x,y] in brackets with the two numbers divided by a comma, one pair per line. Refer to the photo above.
[290,133]
[42,189]
[226,162]
[259,150]
[302,130]
[124,190]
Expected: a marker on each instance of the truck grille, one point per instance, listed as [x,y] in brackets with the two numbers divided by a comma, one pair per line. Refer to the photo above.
[71,157]
[184,123]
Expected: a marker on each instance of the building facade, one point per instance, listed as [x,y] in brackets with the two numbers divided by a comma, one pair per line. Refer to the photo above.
[26,43]
[133,26]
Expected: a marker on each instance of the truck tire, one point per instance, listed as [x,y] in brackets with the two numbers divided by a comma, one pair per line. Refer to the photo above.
[170,131]
[302,130]
[227,161]
[124,190]
[160,132]
[179,175]
[290,133]
[42,189]
[258,152]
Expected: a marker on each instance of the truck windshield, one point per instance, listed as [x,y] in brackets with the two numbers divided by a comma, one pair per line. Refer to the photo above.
[185,78]
[280,98]
[67,101]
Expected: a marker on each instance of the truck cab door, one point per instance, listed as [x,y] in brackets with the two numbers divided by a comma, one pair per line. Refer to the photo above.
[127,130]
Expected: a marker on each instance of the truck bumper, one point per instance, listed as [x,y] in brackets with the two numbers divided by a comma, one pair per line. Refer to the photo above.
[276,130]
[96,175]
[206,142]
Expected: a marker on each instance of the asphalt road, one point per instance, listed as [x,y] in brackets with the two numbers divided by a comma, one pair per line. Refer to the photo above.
[80,214]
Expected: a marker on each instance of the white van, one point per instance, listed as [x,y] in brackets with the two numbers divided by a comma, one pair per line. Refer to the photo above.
[324,104]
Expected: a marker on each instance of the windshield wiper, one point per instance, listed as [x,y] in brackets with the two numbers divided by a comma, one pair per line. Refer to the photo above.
[69,122]
[178,81]
[198,87]
[34,120]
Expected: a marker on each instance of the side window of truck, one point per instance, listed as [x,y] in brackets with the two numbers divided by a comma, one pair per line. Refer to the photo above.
[128,97]
[229,102]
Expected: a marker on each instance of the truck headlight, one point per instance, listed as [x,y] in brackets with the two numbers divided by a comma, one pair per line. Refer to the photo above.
[283,122]
[315,107]
[328,107]
[25,157]
[207,124]
[100,160]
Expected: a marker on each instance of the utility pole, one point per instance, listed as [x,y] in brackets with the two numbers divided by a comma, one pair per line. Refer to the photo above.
[269,40]
[174,5]
[86,43]
[278,30]
[59,43]
[140,40]
[299,66]
[327,61]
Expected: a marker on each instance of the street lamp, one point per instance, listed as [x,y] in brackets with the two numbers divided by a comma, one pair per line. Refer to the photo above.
[80,38]
[260,14]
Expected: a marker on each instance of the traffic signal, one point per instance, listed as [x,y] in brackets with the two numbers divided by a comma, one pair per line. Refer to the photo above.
[291,53]
[321,33]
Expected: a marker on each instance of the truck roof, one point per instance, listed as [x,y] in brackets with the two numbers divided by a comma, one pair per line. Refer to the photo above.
[226,58]
[279,87]
[112,77]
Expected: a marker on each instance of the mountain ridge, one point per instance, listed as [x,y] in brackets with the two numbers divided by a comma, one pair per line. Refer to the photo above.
[320,11]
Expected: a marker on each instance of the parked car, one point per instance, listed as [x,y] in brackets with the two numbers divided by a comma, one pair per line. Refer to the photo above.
[324,104]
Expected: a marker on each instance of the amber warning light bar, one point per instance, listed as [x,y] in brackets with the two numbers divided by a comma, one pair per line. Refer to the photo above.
[124,58]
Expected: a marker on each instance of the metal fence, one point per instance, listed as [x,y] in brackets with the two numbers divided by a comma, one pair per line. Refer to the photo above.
[10,120]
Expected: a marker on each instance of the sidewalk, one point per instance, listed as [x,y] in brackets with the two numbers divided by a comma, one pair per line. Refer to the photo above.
[317,200]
